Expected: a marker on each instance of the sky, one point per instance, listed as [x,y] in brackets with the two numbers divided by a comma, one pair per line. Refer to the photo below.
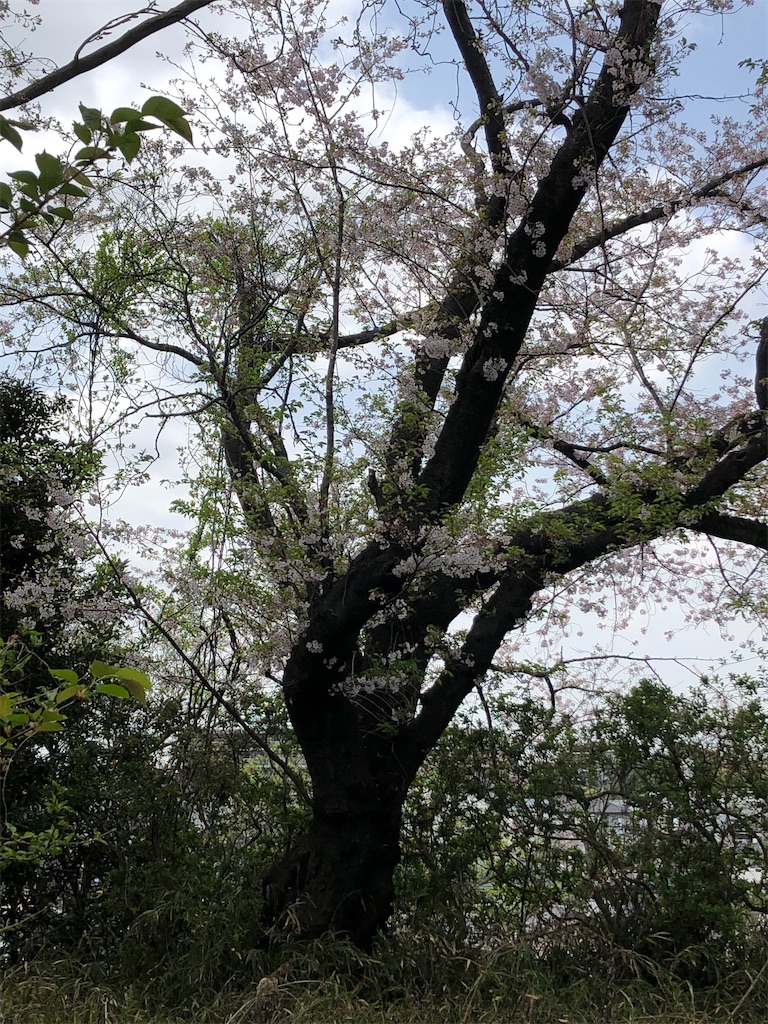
[711,70]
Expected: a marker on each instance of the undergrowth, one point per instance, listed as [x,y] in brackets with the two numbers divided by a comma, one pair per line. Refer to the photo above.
[405,981]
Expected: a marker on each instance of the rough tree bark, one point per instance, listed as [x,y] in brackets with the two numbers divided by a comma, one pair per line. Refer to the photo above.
[340,876]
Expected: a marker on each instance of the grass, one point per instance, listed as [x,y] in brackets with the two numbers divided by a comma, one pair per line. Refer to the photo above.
[405,982]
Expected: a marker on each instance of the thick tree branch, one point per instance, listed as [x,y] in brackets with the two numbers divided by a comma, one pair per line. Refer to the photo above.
[165,347]
[81,65]
[740,448]
[736,528]
[761,367]
[506,315]
[560,542]
[338,617]
[591,531]
[464,291]
[491,103]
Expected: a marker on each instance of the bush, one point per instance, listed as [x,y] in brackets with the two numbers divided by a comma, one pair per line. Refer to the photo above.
[640,831]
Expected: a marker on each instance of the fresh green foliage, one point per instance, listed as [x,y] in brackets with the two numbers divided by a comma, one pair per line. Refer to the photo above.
[46,194]
[25,718]
[22,718]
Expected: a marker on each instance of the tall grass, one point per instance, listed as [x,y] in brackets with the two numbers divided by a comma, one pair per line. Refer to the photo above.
[406,981]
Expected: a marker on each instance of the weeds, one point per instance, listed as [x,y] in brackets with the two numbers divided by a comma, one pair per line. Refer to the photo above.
[407,981]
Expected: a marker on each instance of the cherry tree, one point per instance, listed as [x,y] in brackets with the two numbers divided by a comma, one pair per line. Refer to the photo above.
[437,389]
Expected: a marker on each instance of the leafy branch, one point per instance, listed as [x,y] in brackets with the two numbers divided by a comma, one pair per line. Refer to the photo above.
[29,198]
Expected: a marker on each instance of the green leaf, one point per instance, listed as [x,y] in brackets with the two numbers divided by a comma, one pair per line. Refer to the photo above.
[51,171]
[26,176]
[180,125]
[5,705]
[136,690]
[65,674]
[84,134]
[135,675]
[137,683]
[91,116]
[18,243]
[6,195]
[101,670]
[124,114]
[8,132]
[113,689]
[162,108]
[49,727]
[129,145]
[68,693]
[30,189]
[140,126]
[72,190]
[90,153]
[63,212]
[133,681]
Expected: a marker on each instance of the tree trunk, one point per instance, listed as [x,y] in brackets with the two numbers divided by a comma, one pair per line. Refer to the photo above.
[339,876]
